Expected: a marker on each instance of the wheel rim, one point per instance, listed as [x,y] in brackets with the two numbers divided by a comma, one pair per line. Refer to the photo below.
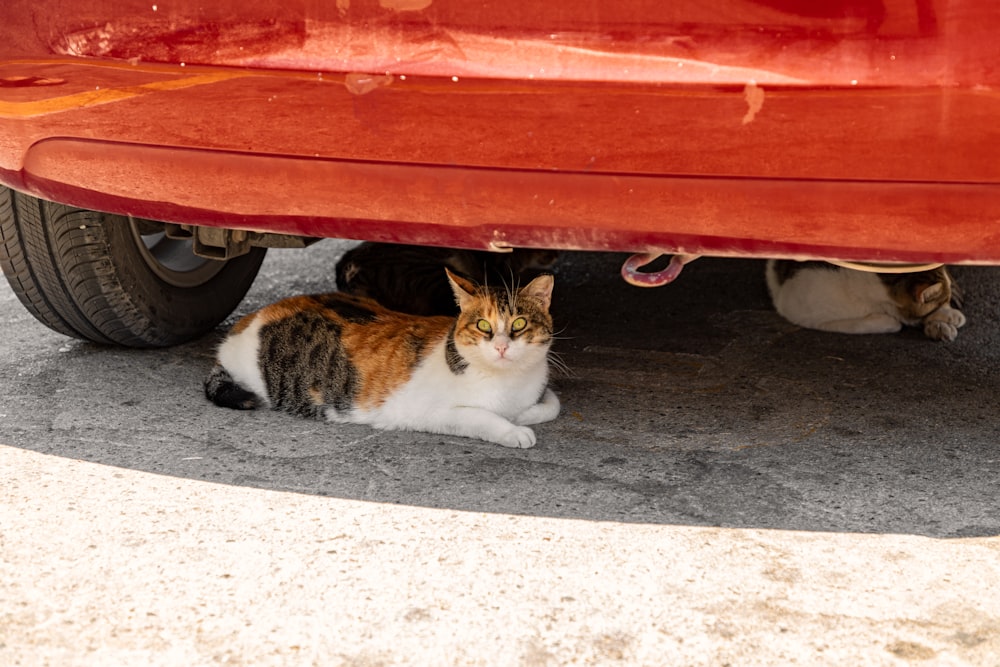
[172,260]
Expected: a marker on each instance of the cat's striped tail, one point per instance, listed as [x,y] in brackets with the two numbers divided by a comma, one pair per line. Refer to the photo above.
[221,389]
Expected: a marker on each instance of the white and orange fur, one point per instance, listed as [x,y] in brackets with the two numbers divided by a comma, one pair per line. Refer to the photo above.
[347,359]
[821,296]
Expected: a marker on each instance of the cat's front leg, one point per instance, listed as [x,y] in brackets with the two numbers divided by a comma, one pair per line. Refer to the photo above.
[545,410]
[943,323]
[485,425]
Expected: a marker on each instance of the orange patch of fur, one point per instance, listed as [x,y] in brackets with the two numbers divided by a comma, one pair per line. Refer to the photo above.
[316,394]
[242,324]
[381,354]
[275,311]
[287,308]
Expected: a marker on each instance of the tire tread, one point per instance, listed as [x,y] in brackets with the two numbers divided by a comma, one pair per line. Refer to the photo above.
[68,271]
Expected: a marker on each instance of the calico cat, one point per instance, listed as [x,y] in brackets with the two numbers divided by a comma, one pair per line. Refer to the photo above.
[822,296]
[411,279]
[343,358]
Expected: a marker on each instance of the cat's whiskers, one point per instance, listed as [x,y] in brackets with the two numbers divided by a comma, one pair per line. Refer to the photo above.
[560,367]
[511,288]
[555,335]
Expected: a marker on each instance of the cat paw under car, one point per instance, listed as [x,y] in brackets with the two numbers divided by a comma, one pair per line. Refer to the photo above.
[818,295]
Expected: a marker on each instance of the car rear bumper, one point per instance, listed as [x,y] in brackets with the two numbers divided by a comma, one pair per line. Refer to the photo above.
[480,207]
[871,143]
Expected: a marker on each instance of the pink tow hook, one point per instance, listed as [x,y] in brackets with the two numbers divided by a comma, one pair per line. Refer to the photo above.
[633,276]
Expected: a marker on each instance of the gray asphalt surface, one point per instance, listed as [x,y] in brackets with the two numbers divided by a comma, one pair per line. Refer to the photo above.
[722,488]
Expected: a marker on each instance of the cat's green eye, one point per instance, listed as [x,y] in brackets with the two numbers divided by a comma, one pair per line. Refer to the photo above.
[518,324]
[484,326]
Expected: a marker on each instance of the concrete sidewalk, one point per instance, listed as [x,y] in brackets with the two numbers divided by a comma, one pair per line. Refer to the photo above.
[104,566]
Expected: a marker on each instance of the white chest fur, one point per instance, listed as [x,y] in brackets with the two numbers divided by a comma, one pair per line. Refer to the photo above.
[434,389]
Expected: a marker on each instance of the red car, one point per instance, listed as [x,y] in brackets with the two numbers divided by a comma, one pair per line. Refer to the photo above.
[152,149]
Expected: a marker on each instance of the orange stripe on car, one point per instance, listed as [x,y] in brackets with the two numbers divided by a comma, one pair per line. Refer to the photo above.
[107,96]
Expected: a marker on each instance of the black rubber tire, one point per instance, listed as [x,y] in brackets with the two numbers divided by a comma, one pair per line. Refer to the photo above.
[88,275]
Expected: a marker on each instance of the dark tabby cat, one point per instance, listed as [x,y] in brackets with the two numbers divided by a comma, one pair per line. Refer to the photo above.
[482,374]
[411,279]
[818,295]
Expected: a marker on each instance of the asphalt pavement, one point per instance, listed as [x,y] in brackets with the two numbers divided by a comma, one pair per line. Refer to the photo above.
[721,488]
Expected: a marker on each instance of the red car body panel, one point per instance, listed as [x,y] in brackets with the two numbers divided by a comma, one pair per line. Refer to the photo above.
[847,129]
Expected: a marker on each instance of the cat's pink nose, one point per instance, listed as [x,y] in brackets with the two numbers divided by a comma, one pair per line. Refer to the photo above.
[501,349]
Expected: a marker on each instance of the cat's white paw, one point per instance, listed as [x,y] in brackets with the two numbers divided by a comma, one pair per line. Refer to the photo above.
[943,323]
[545,410]
[940,330]
[519,437]
[948,314]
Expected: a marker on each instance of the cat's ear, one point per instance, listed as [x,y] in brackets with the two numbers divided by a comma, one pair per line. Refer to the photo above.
[925,293]
[464,289]
[540,288]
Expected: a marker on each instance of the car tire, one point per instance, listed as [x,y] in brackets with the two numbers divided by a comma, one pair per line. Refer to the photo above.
[114,279]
